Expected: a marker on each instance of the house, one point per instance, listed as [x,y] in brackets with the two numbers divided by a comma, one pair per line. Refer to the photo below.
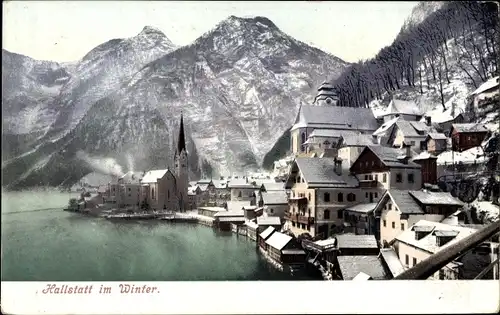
[426,238]
[103,190]
[350,146]
[252,230]
[436,142]
[168,189]
[224,219]
[313,117]
[441,119]
[361,219]
[222,192]
[486,96]
[275,203]
[325,140]
[195,197]
[348,267]
[265,222]
[380,168]
[466,136]
[129,189]
[352,245]
[413,133]
[242,190]
[428,167]
[400,209]
[384,134]
[263,236]
[282,249]
[249,212]
[236,206]
[320,189]
[407,110]
[391,261]
[210,211]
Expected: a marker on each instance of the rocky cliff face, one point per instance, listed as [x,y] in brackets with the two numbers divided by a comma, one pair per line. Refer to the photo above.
[238,86]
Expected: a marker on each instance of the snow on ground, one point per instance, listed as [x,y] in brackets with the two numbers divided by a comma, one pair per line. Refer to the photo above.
[487,210]
[468,156]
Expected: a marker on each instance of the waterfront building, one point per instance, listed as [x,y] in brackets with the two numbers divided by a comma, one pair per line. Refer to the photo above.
[400,209]
[276,243]
[129,189]
[320,189]
[263,236]
[250,212]
[275,203]
[252,232]
[265,222]
[356,245]
[224,219]
[426,238]
[210,211]
[168,189]
[242,190]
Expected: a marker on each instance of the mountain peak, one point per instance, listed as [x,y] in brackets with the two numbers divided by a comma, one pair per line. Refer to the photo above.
[251,20]
[151,30]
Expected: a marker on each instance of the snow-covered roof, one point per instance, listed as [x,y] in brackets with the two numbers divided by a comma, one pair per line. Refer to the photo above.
[470,127]
[362,276]
[265,234]
[351,266]
[132,177]
[403,107]
[268,221]
[273,187]
[153,176]
[424,155]
[327,242]
[362,207]
[435,198]
[392,261]
[331,133]
[467,156]
[356,241]
[490,84]
[278,240]
[229,214]
[239,183]
[437,136]
[428,242]
[385,126]
[237,205]
[274,198]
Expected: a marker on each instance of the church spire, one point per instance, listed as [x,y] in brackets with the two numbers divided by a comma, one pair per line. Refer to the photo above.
[181,143]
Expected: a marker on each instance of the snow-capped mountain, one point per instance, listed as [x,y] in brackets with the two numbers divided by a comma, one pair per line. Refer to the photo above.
[420,12]
[238,86]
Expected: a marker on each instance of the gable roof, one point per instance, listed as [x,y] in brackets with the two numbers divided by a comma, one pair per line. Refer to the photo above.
[389,156]
[278,240]
[403,201]
[407,128]
[319,172]
[265,234]
[490,84]
[336,117]
[274,198]
[153,176]
[471,127]
[403,107]
[424,155]
[132,177]
[362,207]
[239,183]
[235,205]
[386,126]
[437,136]
[273,186]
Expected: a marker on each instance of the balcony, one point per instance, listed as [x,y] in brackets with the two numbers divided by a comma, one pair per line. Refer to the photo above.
[302,200]
[305,220]
[367,183]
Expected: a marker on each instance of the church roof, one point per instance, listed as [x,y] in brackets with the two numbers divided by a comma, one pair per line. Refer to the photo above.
[336,117]
[181,143]
[152,176]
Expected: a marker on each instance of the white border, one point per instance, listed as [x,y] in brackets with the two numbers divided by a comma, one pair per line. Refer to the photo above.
[239,297]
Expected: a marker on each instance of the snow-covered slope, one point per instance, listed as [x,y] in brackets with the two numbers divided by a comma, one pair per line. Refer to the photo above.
[238,86]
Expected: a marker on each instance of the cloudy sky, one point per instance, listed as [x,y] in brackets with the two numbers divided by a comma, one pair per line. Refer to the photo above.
[67,30]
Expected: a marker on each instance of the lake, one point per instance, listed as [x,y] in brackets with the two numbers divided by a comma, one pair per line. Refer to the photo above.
[41,242]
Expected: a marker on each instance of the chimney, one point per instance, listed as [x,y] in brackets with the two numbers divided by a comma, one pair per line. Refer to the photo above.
[428,120]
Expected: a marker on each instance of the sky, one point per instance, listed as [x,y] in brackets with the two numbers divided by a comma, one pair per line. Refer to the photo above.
[65,31]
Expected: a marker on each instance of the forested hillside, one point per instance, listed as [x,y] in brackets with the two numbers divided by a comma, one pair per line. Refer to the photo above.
[460,40]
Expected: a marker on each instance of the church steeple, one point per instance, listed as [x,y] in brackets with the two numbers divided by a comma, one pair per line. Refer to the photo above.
[181,143]
[327,95]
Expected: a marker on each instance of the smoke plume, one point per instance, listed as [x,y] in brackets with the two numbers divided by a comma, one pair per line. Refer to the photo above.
[107,166]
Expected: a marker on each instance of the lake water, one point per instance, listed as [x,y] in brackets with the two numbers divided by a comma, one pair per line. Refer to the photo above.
[40,242]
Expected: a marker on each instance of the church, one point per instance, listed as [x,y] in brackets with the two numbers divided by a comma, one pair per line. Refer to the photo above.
[168,189]
[319,127]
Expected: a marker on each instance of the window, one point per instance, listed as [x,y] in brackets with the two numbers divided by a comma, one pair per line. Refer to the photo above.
[271,210]
[168,194]
[423,146]
[385,223]
[441,274]
[340,197]
[340,214]
[366,177]
[153,193]
[326,143]
[384,178]
[326,214]
[366,195]
[351,197]
[376,177]
[293,224]
[411,178]
[402,226]
[412,143]
[407,260]
[129,189]
[393,225]
[389,206]
[376,195]
[302,140]
[303,226]
[326,197]
[239,194]
[414,261]
[399,178]
[309,197]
